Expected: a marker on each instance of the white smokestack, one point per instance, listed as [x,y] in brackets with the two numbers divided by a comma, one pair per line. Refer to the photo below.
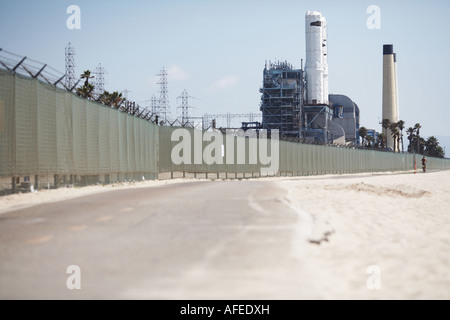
[325,60]
[390,98]
[397,105]
[316,66]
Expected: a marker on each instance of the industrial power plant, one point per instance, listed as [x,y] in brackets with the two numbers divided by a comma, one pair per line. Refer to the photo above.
[248,178]
[294,101]
[297,101]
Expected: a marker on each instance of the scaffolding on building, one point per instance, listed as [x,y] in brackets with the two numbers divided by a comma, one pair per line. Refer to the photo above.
[281,99]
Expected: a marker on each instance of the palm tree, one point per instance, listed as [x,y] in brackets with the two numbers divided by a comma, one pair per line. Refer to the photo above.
[401,126]
[395,134]
[369,140]
[440,153]
[431,145]
[385,124]
[381,140]
[421,143]
[433,149]
[116,99]
[362,133]
[417,128]
[85,91]
[410,132]
[86,75]
[105,98]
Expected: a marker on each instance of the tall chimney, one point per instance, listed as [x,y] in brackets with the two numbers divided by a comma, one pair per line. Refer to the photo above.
[397,106]
[389,91]
[316,66]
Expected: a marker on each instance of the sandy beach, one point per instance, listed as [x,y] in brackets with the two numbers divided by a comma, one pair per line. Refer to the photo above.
[362,236]
[398,223]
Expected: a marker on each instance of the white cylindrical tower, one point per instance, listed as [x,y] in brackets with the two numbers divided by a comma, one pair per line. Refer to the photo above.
[389,91]
[314,66]
[397,106]
[325,60]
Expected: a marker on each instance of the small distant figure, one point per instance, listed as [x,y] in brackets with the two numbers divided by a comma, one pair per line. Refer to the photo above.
[424,164]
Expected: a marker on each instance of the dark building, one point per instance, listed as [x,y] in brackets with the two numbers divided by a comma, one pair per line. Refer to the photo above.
[346,115]
[281,98]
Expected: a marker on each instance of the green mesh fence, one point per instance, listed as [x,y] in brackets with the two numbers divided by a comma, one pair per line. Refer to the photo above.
[294,158]
[207,152]
[48,131]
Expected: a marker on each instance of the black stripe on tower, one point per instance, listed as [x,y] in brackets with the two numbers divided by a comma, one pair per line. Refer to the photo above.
[388,49]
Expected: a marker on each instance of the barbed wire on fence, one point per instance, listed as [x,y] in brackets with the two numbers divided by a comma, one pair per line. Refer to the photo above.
[31,68]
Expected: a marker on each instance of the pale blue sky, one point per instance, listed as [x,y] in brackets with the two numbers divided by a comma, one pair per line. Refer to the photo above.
[217,49]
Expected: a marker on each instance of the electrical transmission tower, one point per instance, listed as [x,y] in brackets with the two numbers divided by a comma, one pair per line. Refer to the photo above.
[70,66]
[184,107]
[154,105]
[99,81]
[164,107]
